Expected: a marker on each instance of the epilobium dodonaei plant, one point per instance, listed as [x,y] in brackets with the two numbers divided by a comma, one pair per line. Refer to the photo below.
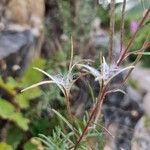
[64,82]
[109,71]
[104,74]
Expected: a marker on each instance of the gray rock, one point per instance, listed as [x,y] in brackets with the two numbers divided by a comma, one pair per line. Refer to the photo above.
[11,42]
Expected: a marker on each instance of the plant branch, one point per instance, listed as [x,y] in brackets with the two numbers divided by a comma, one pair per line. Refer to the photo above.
[140,51]
[94,114]
[144,47]
[112,24]
[122,25]
[106,130]
[99,104]
[71,58]
[97,108]
[96,111]
[121,58]
[86,127]
[68,107]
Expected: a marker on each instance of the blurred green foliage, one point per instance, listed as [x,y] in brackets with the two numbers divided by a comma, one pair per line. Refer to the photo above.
[14,106]
[4,146]
[7,111]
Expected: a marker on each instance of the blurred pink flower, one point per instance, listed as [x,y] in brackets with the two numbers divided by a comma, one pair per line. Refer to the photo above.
[133,26]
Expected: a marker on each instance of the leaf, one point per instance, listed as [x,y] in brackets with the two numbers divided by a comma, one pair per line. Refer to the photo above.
[64,119]
[143,53]
[44,139]
[7,111]
[90,69]
[14,141]
[23,99]
[33,144]
[20,120]
[5,146]
[30,146]
[31,76]
[8,87]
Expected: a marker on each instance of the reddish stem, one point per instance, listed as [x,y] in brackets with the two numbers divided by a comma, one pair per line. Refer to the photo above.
[112,24]
[144,47]
[133,38]
[122,25]
[94,113]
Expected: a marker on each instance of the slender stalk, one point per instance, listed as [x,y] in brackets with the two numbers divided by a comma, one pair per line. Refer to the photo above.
[133,38]
[144,47]
[68,107]
[112,24]
[106,130]
[122,31]
[94,114]
[71,57]
[139,51]
[99,104]
[86,128]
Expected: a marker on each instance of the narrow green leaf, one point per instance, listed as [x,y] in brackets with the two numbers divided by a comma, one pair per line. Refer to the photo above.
[64,119]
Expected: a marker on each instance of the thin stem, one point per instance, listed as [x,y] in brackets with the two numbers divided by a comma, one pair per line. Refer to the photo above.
[86,127]
[112,24]
[122,31]
[140,51]
[99,104]
[71,58]
[145,45]
[106,130]
[133,38]
[95,112]
[68,107]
